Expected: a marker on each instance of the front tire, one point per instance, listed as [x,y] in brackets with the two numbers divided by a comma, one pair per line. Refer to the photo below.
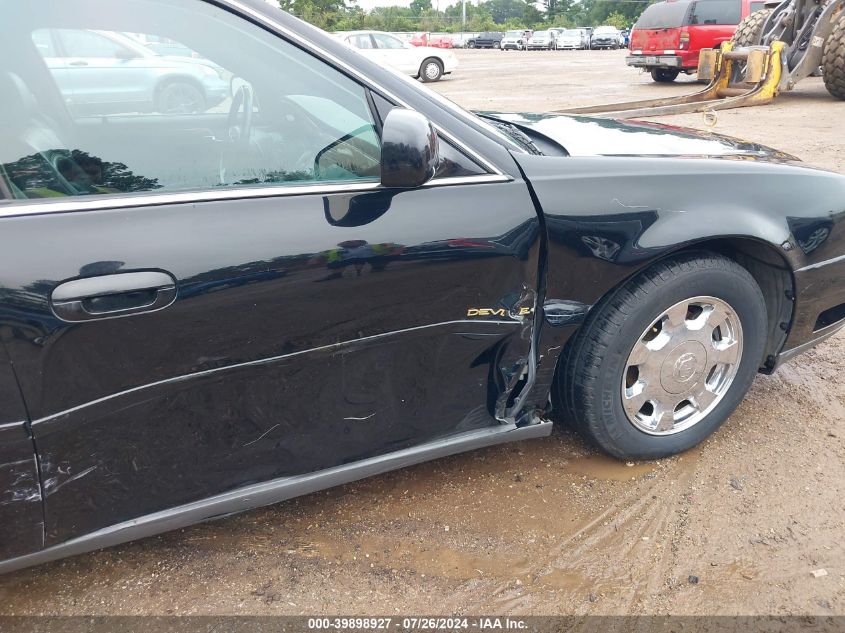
[496,45]
[664,75]
[180,97]
[663,360]
[431,70]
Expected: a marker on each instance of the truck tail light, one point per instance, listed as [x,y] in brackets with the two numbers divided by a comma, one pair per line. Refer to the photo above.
[684,40]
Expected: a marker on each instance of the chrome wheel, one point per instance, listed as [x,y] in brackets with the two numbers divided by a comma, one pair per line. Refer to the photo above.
[432,71]
[682,366]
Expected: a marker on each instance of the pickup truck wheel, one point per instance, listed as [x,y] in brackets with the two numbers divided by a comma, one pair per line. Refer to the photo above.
[663,360]
[833,60]
[664,75]
[431,70]
[496,45]
[471,44]
[749,32]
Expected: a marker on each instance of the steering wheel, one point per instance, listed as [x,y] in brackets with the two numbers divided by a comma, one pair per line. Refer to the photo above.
[239,121]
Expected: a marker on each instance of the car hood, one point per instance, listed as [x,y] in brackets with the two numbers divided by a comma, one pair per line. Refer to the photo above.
[592,136]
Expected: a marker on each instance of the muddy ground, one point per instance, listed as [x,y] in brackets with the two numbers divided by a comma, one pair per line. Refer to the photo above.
[545,526]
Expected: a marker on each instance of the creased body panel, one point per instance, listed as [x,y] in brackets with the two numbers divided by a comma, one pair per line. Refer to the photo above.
[294,344]
[21,514]
[608,217]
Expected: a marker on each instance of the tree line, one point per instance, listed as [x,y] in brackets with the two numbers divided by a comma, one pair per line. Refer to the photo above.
[486,15]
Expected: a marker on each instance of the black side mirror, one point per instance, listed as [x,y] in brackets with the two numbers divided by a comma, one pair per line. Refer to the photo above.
[409,149]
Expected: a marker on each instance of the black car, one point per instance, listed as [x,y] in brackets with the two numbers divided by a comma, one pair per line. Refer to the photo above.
[341,273]
[488,39]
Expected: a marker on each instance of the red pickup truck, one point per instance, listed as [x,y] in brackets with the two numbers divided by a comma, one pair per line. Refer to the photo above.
[669,35]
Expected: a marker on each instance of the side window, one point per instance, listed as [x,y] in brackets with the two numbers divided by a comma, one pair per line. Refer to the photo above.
[79,43]
[221,104]
[716,12]
[362,40]
[387,41]
[43,40]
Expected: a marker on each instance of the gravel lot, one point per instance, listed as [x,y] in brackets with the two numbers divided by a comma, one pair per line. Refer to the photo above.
[546,526]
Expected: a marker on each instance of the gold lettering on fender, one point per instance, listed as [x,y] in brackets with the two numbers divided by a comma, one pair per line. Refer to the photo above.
[499,312]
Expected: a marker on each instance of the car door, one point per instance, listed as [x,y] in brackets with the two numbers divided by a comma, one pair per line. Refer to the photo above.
[21,513]
[394,52]
[102,74]
[364,44]
[207,301]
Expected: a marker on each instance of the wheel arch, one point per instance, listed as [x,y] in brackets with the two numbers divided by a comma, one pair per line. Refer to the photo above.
[167,80]
[769,268]
[773,274]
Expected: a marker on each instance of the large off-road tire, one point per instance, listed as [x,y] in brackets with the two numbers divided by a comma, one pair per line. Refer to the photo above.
[833,60]
[690,329]
[664,75]
[749,32]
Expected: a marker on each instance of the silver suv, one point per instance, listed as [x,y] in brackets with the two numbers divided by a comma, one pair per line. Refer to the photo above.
[106,72]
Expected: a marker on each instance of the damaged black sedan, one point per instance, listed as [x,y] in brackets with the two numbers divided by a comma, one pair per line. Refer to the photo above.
[214,302]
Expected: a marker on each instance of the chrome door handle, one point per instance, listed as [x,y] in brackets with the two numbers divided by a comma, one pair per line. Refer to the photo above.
[109,296]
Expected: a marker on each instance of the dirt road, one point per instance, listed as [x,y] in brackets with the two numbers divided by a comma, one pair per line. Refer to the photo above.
[546,526]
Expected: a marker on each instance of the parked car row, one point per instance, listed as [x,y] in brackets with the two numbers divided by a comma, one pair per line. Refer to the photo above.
[555,38]
[551,39]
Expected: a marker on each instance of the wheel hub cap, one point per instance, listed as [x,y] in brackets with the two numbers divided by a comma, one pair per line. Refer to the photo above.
[682,366]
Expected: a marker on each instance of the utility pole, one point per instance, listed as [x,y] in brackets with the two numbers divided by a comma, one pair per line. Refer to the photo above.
[463,17]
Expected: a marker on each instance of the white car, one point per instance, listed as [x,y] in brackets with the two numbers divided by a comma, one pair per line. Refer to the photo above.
[425,62]
[515,40]
[84,64]
[606,37]
[571,39]
[542,40]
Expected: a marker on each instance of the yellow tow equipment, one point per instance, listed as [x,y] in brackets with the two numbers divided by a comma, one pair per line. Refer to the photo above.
[738,78]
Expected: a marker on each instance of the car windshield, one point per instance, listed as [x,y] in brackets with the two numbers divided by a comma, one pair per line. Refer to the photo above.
[605,30]
[541,34]
[513,34]
[663,15]
[572,33]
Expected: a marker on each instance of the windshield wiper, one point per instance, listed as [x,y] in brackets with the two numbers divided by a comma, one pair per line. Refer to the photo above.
[515,134]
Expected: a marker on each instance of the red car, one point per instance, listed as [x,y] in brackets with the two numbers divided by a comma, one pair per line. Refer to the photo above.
[435,41]
[669,35]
